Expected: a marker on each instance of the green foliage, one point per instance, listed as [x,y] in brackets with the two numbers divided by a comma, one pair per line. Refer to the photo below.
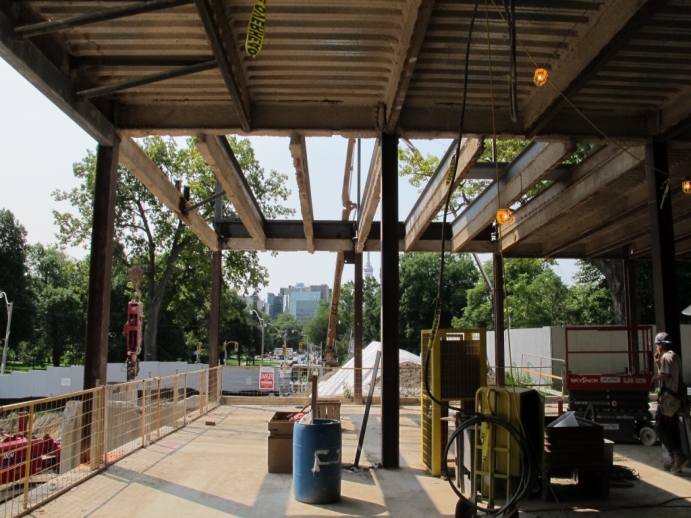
[177,265]
[316,328]
[14,280]
[347,391]
[590,302]
[419,279]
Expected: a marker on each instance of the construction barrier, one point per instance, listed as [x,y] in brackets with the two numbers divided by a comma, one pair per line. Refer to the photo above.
[50,445]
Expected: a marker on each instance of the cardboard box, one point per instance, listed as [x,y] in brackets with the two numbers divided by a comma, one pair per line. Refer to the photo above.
[280,426]
[281,454]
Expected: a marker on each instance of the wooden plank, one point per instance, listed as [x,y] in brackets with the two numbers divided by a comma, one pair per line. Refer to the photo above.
[532,165]
[433,197]
[298,149]
[36,68]
[371,197]
[600,169]
[146,171]
[220,157]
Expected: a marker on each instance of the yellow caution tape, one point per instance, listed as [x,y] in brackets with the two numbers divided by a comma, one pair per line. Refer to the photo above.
[255,28]
[451,171]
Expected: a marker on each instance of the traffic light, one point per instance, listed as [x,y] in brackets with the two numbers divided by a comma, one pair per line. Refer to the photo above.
[285,351]
[300,347]
[237,346]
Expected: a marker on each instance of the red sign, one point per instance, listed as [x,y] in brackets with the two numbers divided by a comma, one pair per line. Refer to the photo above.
[266,378]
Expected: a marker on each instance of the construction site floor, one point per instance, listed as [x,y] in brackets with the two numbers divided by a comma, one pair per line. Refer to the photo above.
[221,470]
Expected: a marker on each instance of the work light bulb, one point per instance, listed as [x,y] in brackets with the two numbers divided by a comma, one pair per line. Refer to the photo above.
[504,216]
[540,77]
[686,186]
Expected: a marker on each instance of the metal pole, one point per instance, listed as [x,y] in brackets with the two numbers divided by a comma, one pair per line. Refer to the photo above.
[7,332]
[498,267]
[390,434]
[100,266]
[215,310]
[261,359]
[357,382]
[662,237]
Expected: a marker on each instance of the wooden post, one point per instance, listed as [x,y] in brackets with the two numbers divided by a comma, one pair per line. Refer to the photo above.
[314,378]
[662,236]
[100,266]
[389,303]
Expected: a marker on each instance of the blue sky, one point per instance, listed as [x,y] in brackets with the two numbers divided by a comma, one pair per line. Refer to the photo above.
[39,144]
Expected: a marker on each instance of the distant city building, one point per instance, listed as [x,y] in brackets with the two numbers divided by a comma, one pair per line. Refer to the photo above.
[275,304]
[369,271]
[301,301]
[255,301]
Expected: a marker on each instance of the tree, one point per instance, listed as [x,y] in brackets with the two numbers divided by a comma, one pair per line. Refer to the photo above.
[59,285]
[536,296]
[316,328]
[14,280]
[419,279]
[175,262]
[590,300]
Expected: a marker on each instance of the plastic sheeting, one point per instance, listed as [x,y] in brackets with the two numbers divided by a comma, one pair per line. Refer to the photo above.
[345,375]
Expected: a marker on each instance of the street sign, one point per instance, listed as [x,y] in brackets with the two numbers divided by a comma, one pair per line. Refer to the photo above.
[266,378]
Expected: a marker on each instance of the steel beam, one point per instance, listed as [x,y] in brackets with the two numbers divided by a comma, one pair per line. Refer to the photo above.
[667,309]
[414,31]
[433,196]
[36,68]
[357,324]
[146,171]
[389,303]
[147,80]
[100,267]
[601,168]
[220,157]
[370,198]
[298,149]
[222,41]
[618,23]
[215,309]
[534,163]
[114,13]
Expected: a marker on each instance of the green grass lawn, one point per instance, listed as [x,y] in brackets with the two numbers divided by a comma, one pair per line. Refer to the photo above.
[20,367]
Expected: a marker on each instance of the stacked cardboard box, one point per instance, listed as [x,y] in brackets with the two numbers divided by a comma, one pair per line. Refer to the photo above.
[281,442]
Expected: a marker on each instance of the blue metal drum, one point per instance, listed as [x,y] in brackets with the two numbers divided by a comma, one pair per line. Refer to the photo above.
[317,461]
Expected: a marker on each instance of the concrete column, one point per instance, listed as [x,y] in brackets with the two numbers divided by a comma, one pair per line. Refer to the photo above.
[631,310]
[667,309]
[215,317]
[389,302]
[498,298]
[101,266]
[357,388]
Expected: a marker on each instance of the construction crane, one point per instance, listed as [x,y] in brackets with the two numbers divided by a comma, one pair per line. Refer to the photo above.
[330,357]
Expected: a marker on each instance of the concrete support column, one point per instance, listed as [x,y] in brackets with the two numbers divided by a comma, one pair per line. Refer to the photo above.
[662,237]
[215,320]
[498,298]
[357,317]
[389,302]
[101,266]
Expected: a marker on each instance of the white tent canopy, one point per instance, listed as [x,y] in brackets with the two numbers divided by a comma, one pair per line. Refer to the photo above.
[345,375]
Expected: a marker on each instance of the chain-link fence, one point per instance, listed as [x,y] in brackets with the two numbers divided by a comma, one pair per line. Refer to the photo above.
[50,445]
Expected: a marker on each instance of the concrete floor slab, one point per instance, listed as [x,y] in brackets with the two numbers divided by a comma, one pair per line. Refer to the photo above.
[221,470]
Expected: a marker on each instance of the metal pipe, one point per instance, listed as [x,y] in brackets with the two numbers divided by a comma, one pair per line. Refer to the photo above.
[145,80]
[9,306]
[101,16]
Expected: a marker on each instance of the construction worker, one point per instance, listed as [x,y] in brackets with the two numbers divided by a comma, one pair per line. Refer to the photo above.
[670,378]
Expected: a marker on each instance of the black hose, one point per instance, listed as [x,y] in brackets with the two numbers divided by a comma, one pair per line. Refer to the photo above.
[526,476]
